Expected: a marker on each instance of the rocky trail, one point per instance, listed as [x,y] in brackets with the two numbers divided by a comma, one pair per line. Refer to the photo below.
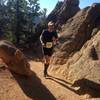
[36,87]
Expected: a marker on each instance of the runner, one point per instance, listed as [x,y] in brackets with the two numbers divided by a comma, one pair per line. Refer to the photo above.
[48,39]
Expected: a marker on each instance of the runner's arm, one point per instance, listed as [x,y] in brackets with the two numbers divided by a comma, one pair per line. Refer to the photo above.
[42,39]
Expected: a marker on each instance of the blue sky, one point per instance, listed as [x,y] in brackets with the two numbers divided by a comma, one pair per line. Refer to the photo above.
[50,4]
[84,3]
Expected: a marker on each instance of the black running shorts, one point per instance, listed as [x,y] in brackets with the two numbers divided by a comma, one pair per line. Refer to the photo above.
[47,51]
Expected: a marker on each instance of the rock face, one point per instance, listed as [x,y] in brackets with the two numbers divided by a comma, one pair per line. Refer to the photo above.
[86,62]
[63,11]
[83,68]
[53,15]
[14,58]
[79,51]
[77,31]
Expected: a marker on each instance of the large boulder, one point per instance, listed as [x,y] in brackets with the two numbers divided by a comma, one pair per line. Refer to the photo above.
[82,70]
[85,63]
[77,31]
[63,11]
[14,58]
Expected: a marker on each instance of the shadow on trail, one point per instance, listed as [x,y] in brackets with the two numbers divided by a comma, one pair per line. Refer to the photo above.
[33,87]
[85,86]
[61,82]
[59,79]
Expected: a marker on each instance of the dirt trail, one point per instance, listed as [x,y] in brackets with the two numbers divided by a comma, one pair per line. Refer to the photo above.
[36,87]
[55,85]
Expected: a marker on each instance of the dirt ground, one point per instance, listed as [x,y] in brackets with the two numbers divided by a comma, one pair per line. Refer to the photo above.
[36,87]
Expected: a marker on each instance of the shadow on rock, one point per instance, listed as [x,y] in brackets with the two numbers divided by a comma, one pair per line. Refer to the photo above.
[85,86]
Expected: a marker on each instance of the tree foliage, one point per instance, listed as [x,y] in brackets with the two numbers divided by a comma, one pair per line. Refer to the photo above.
[17,19]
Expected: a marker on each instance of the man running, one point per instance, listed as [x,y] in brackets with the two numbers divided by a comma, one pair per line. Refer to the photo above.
[48,39]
